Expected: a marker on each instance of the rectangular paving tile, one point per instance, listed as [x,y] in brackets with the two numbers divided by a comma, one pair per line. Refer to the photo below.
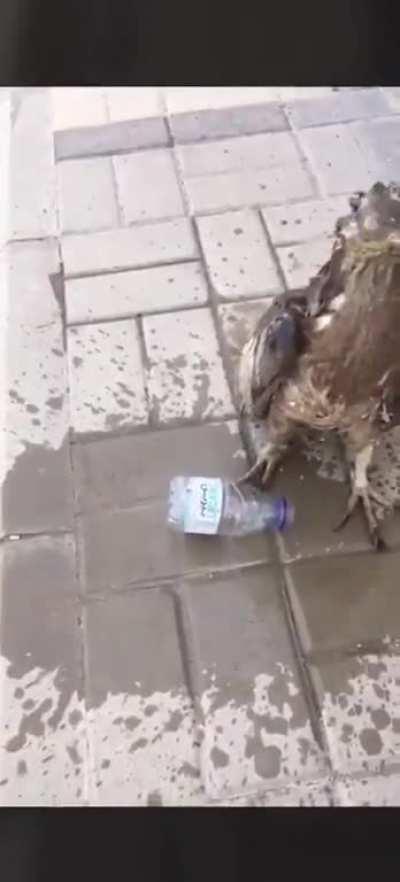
[112,137]
[237,254]
[106,377]
[118,551]
[346,601]
[306,794]
[339,159]
[142,726]
[201,125]
[186,378]
[123,294]
[360,709]
[380,139]
[119,472]
[315,219]
[35,467]
[258,169]
[165,242]
[87,195]
[300,262]
[147,186]
[257,731]
[314,474]
[32,189]
[338,107]
[43,738]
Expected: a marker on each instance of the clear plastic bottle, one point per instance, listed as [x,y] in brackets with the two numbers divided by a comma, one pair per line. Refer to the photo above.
[214,506]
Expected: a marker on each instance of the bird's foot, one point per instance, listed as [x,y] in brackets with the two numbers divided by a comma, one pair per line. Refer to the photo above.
[260,472]
[365,495]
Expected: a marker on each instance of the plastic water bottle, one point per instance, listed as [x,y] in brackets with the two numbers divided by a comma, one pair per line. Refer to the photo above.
[214,506]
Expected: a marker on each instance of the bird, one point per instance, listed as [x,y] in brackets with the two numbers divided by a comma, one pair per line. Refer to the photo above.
[327,358]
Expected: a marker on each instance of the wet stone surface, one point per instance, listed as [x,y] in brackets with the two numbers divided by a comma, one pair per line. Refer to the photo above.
[257,731]
[186,378]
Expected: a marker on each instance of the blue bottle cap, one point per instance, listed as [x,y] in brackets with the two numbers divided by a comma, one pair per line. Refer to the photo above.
[285,513]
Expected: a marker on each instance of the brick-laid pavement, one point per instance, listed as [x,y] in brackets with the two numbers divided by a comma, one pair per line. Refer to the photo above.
[145,232]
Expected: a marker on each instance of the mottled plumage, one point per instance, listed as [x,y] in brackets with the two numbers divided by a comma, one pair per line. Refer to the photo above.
[329,358]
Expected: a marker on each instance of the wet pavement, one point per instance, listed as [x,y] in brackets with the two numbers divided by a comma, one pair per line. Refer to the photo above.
[146,231]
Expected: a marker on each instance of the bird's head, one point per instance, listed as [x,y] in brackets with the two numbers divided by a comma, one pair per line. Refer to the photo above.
[373,216]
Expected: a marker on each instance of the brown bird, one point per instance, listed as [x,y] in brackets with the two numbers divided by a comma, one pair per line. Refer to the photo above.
[329,358]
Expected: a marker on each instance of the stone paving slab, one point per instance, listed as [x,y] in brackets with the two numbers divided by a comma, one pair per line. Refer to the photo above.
[186,378]
[87,195]
[157,243]
[106,376]
[115,473]
[43,754]
[237,255]
[338,107]
[231,173]
[202,125]
[257,727]
[111,138]
[359,703]
[304,221]
[141,721]
[131,293]
[147,185]
[339,158]
[300,262]
[313,795]
[346,615]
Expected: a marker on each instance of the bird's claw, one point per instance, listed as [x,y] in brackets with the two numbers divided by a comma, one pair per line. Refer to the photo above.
[364,496]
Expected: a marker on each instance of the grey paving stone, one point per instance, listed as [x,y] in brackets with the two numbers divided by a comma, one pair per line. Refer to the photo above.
[315,219]
[31,268]
[246,120]
[186,377]
[147,185]
[123,294]
[258,169]
[141,717]
[360,710]
[87,195]
[118,548]
[306,478]
[35,469]
[106,377]
[32,173]
[257,731]
[166,242]
[347,601]
[43,738]
[110,138]
[300,262]
[119,472]
[237,254]
[339,158]
[375,790]
[381,141]
[338,107]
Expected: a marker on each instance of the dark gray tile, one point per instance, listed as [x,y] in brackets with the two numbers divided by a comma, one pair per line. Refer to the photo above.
[111,138]
[121,548]
[118,472]
[256,720]
[346,601]
[248,120]
[37,492]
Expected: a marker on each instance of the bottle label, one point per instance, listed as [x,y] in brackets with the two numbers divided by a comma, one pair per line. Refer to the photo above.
[203,508]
